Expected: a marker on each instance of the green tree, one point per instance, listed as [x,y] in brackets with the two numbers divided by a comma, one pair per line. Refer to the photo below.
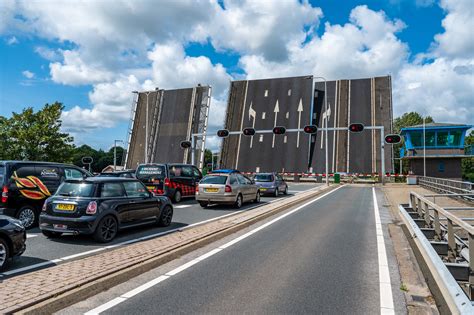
[101,159]
[406,120]
[37,136]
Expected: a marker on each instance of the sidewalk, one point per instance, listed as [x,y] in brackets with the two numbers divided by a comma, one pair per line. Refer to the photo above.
[67,279]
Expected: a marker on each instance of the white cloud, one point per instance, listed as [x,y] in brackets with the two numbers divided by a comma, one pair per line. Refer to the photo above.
[74,71]
[262,27]
[112,103]
[457,41]
[367,46]
[28,74]
[12,40]
[49,54]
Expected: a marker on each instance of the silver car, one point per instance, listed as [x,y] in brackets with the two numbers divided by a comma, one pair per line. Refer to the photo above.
[227,188]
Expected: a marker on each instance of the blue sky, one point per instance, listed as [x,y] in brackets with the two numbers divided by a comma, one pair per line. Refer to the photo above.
[89,57]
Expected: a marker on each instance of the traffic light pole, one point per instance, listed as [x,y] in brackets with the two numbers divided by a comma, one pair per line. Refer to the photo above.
[382,141]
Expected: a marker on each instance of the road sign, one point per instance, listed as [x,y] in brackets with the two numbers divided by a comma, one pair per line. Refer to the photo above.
[356,127]
[310,129]
[249,131]
[87,160]
[223,133]
[279,130]
[185,144]
[392,139]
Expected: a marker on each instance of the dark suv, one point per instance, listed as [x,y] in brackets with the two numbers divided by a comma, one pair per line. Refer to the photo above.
[25,185]
[172,180]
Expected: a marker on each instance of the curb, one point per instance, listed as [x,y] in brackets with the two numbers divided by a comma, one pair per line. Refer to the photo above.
[63,300]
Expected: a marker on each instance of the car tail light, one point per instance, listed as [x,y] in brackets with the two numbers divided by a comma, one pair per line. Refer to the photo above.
[44,207]
[91,207]
[167,182]
[5,194]
[197,187]
[228,188]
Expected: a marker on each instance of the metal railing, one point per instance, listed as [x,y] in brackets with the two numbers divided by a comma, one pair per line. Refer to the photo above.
[449,228]
[449,187]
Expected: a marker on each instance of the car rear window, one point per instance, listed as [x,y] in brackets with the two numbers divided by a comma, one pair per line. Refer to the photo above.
[2,173]
[76,189]
[150,172]
[263,178]
[214,179]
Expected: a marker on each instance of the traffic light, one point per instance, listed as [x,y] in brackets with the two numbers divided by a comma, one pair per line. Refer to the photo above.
[279,130]
[392,139]
[311,129]
[249,131]
[356,127]
[185,144]
[223,133]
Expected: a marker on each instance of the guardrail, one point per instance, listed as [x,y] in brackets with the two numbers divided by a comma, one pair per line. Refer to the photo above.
[450,187]
[451,237]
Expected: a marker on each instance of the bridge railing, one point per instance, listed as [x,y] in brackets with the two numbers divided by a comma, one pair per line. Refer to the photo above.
[448,186]
[452,229]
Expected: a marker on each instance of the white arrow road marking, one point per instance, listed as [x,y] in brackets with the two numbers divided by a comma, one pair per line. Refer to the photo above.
[276,110]
[300,109]
[252,113]
[325,118]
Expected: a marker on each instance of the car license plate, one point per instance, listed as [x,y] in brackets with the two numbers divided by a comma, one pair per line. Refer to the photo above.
[213,190]
[263,189]
[150,188]
[60,226]
[65,207]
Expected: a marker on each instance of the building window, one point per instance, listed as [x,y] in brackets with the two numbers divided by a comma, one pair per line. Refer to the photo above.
[454,138]
[441,167]
[416,138]
[430,137]
[442,139]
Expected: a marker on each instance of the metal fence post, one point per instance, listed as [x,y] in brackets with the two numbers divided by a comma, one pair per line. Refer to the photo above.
[471,264]
[451,241]
[437,226]
[427,215]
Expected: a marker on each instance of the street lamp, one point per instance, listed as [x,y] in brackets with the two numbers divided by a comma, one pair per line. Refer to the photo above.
[327,125]
[115,153]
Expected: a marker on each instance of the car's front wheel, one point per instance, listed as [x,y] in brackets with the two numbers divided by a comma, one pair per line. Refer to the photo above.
[106,229]
[28,217]
[51,234]
[166,216]
[286,190]
[203,204]
[277,192]
[4,254]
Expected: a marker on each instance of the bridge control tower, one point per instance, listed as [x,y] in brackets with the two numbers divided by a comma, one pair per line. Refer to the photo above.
[440,153]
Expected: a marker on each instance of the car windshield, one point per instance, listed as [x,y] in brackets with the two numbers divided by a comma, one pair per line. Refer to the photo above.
[263,178]
[79,189]
[214,179]
[150,172]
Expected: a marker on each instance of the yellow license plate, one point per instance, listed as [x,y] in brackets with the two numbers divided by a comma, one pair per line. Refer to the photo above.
[212,189]
[263,189]
[150,187]
[65,207]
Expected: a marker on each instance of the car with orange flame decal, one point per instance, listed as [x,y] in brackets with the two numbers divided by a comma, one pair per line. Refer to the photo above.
[26,185]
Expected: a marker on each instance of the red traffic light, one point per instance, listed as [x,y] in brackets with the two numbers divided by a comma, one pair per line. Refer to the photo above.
[249,131]
[223,133]
[311,129]
[356,127]
[392,139]
[185,144]
[279,130]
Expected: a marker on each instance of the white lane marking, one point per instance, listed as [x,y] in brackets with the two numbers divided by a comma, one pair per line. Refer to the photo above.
[386,297]
[187,265]
[182,206]
[28,235]
[62,259]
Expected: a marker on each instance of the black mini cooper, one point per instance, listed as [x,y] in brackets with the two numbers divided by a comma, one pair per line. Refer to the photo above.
[100,206]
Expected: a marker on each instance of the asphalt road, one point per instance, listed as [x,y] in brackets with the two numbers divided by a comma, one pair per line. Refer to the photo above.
[42,252]
[321,258]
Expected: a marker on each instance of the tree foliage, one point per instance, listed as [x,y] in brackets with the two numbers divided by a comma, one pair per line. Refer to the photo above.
[31,135]
[101,158]
[467,164]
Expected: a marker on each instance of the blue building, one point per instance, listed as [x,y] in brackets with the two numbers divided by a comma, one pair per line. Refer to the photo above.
[443,147]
